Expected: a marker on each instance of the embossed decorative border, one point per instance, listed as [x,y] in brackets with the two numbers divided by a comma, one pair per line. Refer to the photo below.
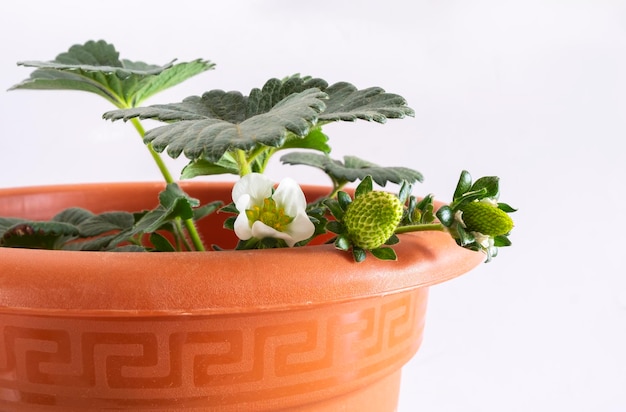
[188,361]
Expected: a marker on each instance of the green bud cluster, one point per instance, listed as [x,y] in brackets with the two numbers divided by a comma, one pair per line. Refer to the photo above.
[487,219]
[372,218]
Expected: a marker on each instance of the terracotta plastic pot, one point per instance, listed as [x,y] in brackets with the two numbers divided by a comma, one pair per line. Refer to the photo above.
[301,329]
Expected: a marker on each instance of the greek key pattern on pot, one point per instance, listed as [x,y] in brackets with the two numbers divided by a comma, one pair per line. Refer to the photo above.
[226,360]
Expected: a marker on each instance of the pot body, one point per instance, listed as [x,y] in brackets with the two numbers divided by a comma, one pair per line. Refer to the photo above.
[328,358]
[301,329]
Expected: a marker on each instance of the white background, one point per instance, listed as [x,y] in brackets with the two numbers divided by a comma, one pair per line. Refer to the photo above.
[533,91]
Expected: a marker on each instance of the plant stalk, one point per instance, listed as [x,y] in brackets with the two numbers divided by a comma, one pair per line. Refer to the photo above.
[157,158]
[242,162]
[421,228]
[190,225]
[192,230]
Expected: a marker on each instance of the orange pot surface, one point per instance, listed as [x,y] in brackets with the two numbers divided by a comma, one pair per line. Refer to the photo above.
[302,329]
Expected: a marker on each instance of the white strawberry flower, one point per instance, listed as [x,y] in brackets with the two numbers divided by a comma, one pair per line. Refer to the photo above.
[264,212]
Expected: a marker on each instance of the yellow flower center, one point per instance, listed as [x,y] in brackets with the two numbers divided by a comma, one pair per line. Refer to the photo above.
[270,214]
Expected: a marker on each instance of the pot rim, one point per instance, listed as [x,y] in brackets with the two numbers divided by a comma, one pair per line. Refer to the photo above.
[106,283]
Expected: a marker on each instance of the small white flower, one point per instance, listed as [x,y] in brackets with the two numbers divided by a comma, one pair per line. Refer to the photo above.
[458,216]
[483,240]
[280,215]
[490,201]
[487,244]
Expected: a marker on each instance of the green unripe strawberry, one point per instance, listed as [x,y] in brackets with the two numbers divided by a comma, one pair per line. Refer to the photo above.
[372,218]
[487,219]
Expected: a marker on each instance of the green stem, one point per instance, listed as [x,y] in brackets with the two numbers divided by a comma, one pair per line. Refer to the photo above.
[421,228]
[262,152]
[242,162]
[192,230]
[194,235]
[337,186]
[157,158]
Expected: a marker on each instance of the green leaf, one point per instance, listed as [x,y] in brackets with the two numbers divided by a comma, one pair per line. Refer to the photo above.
[92,56]
[174,204]
[353,168]
[230,208]
[168,78]
[319,220]
[464,184]
[412,214]
[506,208]
[428,214]
[405,191]
[67,230]
[206,210]
[501,241]
[274,91]
[315,140]
[177,203]
[393,240]
[490,185]
[344,199]
[342,243]
[7,222]
[218,121]
[358,254]
[426,209]
[74,216]
[335,208]
[203,167]
[38,235]
[425,202]
[465,238]
[347,103]
[364,187]
[335,227]
[96,67]
[470,197]
[211,138]
[316,160]
[384,253]
[148,223]
[229,223]
[161,243]
[92,244]
[423,212]
[106,222]
[129,248]
[445,215]
[230,107]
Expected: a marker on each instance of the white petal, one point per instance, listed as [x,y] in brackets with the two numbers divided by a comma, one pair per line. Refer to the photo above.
[243,203]
[490,201]
[242,227]
[483,240]
[300,228]
[252,189]
[257,185]
[290,197]
[260,231]
[458,216]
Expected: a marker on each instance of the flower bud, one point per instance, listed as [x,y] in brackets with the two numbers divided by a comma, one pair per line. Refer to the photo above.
[486,218]
[372,218]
